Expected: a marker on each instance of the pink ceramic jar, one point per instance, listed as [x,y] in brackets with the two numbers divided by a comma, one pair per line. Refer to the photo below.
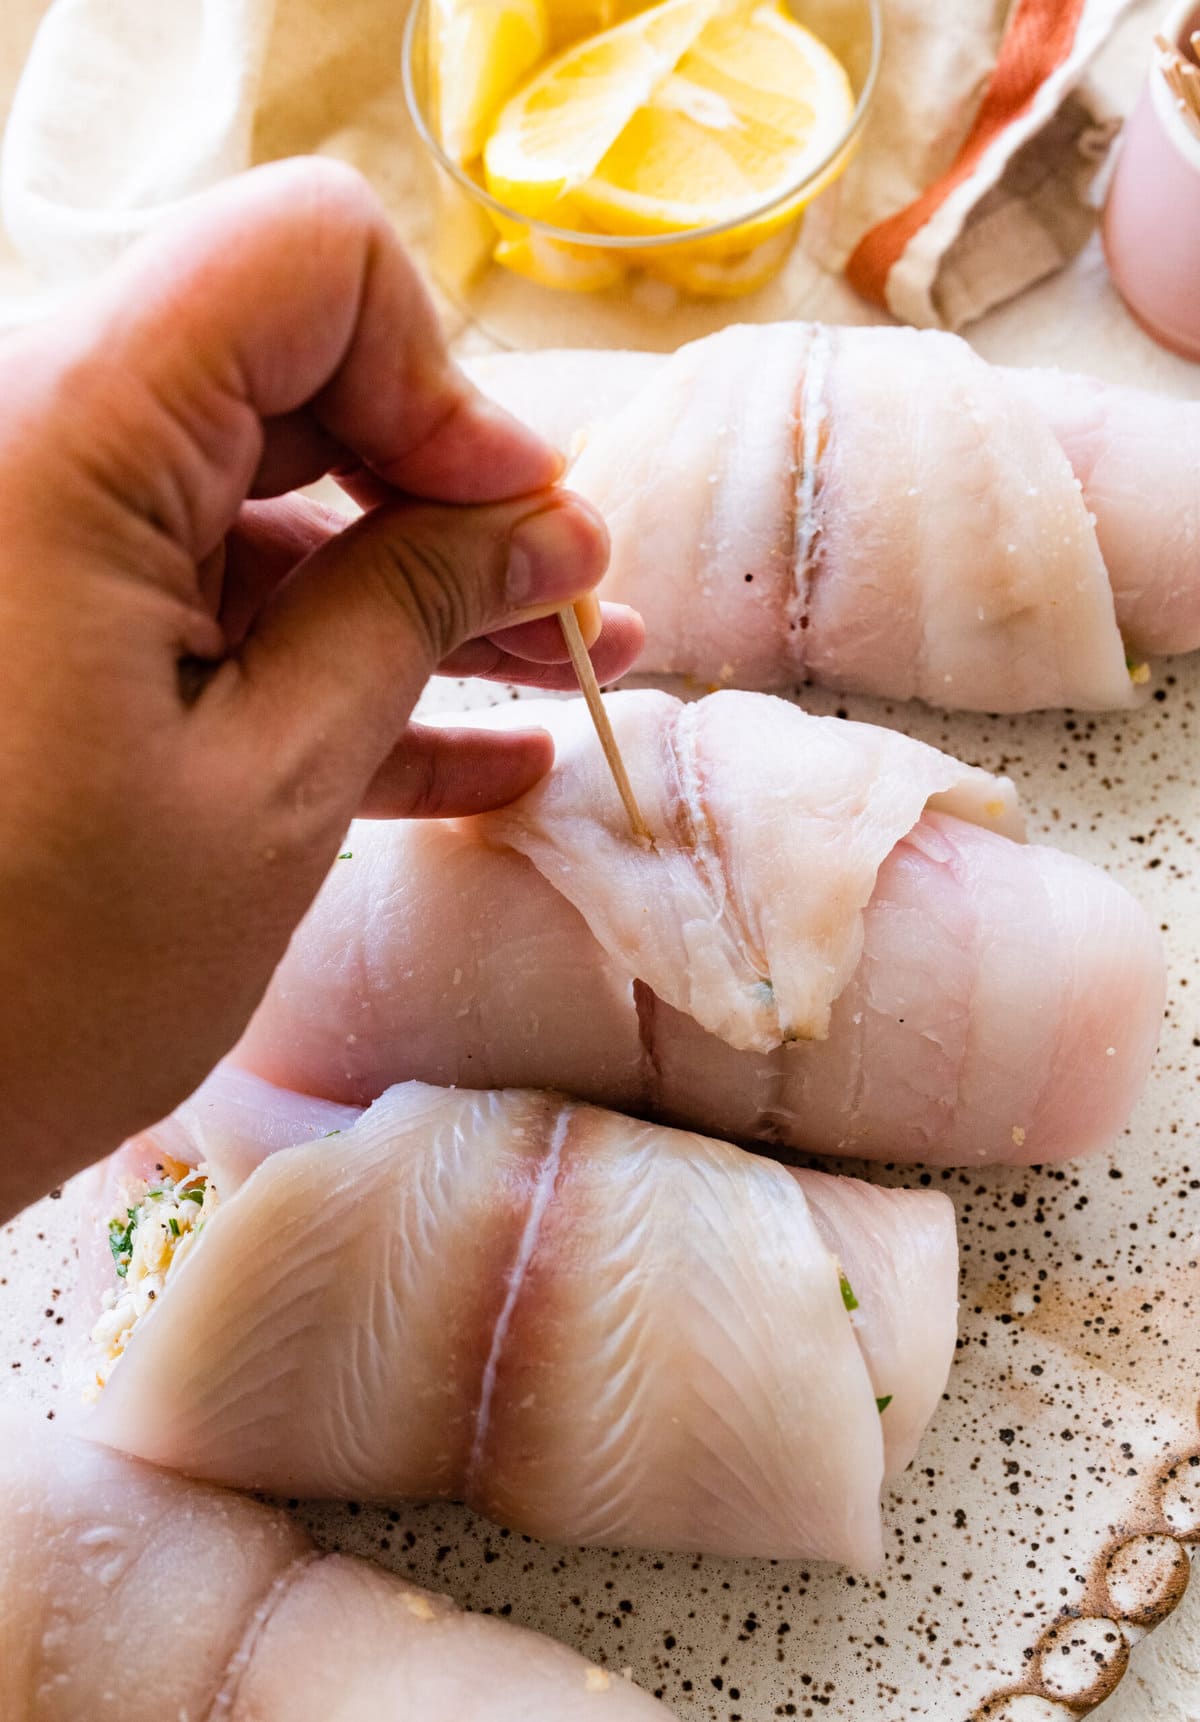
[1152,216]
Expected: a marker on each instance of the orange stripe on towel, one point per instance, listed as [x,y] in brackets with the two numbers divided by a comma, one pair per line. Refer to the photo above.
[1037,40]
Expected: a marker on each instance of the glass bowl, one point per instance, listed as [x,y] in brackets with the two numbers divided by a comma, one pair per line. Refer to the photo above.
[633,290]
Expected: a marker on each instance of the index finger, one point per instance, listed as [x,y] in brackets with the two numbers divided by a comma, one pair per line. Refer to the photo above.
[281,289]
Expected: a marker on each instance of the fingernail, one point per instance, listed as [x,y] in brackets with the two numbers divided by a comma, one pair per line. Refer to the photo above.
[555,555]
[587,610]
[535,613]
[529,732]
[591,622]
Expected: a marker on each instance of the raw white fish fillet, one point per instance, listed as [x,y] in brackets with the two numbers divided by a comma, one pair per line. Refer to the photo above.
[879,510]
[591,1329]
[980,1000]
[1134,455]
[887,1267]
[247,1117]
[566,392]
[127,1595]
[747,911]
[239,1112]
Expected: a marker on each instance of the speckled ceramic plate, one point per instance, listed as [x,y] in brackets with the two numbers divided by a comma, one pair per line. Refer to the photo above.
[1044,1527]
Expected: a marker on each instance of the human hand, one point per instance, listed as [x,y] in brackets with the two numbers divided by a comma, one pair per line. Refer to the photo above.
[201,690]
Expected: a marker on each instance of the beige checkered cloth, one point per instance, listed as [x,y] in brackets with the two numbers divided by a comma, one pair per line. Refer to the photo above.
[118,109]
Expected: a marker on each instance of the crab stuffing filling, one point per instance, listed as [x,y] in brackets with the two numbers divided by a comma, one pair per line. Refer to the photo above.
[154,1232]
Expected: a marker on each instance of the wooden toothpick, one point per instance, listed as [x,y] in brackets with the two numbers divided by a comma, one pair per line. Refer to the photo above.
[590,689]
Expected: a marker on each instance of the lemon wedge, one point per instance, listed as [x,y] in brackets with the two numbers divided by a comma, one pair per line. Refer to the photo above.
[753,107]
[572,19]
[558,129]
[553,263]
[699,271]
[480,50]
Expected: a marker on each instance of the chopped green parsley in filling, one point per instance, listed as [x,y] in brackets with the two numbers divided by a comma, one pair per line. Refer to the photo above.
[155,1230]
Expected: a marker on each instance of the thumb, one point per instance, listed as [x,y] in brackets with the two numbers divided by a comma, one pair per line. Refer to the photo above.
[333,666]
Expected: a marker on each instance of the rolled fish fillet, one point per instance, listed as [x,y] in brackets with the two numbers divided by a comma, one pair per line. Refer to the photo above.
[834,944]
[127,1595]
[881,511]
[590,1329]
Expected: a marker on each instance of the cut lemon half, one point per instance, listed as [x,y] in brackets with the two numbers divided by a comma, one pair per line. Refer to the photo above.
[556,131]
[754,107]
[479,51]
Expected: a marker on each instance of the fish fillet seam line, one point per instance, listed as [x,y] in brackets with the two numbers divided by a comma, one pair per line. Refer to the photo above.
[222,1705]
[710,859]
[542,1192]
[805,530]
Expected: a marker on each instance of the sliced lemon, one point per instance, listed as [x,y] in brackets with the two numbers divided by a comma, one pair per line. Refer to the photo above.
[757,104]
[571,20]
[726,277]
[552,263]
[479,52]
[556,131]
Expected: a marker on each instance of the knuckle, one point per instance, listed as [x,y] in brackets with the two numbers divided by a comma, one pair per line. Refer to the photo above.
[428,584]
[336,190]
[326,203]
